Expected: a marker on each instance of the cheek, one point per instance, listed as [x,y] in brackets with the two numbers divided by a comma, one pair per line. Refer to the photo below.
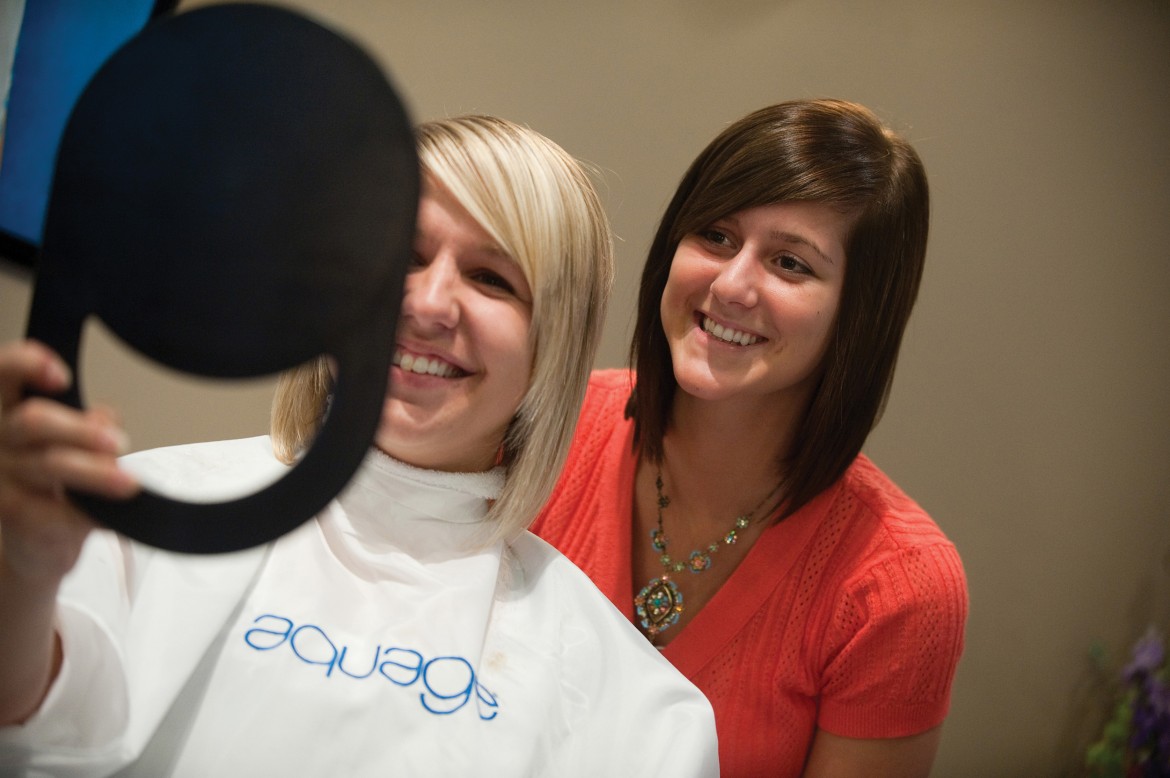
[829,310]
[801,318]
[509,336]
[682,283]
[687,274]
[823,316]
[822,323]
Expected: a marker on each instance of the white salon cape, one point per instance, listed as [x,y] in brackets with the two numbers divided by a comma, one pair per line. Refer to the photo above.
[374,640]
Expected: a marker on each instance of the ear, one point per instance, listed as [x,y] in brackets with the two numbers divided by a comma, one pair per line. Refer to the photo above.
[235,194]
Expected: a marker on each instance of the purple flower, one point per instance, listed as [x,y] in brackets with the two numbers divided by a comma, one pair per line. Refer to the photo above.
[1148,655]
[1158,695]
[1158,707]
[1136,740]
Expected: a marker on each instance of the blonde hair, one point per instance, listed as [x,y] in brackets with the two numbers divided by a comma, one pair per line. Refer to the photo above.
[540,207]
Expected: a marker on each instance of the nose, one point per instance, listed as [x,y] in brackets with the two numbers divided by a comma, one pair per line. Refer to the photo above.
[431,298]
[736,283]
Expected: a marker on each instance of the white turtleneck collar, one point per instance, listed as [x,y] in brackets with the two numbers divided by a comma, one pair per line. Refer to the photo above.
[390,504]
[486,485]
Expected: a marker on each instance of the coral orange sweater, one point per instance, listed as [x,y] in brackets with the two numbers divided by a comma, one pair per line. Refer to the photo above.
[847,616]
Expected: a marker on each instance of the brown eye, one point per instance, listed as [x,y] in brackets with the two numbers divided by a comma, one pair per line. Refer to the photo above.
[494,280]
[714,236]
[791,264]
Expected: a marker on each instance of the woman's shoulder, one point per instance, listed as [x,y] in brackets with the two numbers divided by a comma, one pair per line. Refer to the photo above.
[608,391]
[875,497]
[623,692]
[602,420]
[554,585]
[258,448]
[207,470]
[885,570]
[551,574]
[880,534]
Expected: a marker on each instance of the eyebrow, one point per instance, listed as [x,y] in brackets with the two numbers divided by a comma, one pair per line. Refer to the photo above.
[492,249]
[496,250]
[792,237]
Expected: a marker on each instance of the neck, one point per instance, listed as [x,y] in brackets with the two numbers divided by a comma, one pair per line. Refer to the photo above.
[735,439]
[720,454]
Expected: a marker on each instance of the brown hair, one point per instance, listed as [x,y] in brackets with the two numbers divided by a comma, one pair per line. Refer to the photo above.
[826,151]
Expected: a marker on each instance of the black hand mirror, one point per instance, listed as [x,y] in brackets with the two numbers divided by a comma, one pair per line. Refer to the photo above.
[235,194]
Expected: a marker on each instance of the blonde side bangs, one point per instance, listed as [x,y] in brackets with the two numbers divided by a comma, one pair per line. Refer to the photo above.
[540,206]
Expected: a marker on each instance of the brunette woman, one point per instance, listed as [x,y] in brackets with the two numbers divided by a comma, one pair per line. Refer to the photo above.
[718,494]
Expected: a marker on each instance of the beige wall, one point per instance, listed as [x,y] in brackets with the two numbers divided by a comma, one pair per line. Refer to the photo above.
[1030,413]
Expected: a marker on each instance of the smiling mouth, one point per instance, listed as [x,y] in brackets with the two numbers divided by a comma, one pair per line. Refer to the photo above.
[420,365]
[726,334]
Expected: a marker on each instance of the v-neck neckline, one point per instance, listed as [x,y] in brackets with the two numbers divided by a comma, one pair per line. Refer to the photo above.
[724,616]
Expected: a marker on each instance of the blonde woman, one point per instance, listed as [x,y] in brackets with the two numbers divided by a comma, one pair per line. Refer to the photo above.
[413,627]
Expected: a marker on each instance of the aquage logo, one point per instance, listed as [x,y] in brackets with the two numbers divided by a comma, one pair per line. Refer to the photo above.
[444,683]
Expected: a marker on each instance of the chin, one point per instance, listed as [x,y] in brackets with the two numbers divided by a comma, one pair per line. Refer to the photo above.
[700,384]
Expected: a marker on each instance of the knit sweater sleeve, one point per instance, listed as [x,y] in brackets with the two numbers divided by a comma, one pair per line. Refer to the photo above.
[893,642]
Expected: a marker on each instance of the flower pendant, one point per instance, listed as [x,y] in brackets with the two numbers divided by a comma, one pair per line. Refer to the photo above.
[659,605]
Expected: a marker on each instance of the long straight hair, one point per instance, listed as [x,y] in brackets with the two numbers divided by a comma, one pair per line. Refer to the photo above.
[824,151]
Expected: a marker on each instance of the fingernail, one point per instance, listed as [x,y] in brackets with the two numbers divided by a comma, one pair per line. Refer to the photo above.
[57,373]
[126,484]
[117,440]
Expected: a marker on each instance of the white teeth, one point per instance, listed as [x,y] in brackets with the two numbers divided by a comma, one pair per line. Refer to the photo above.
[727,334]
[424,366]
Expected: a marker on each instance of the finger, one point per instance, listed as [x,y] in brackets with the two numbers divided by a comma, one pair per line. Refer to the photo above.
[54,469]
[107,414]
[38,422]
[30,364]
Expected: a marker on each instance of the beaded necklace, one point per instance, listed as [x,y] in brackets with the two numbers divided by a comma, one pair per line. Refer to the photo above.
[660,603]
